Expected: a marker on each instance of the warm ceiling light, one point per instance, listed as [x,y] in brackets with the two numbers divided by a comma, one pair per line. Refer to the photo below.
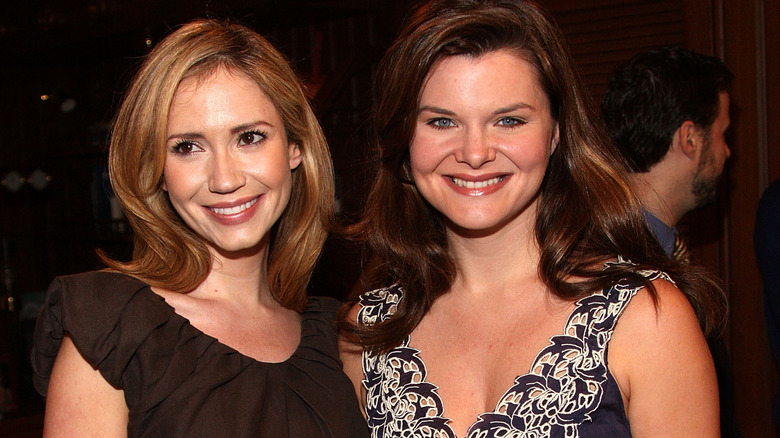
[12,181]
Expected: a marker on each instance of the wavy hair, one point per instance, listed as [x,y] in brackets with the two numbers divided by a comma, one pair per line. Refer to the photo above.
[406,235]
[166,252]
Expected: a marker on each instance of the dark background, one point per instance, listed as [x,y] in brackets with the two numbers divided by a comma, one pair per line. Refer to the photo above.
[82,53]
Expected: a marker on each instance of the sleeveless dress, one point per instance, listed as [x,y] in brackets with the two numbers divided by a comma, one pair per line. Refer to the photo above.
[178,381]
[569,391]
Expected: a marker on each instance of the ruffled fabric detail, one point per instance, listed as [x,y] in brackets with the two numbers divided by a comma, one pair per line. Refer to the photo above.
[179,381]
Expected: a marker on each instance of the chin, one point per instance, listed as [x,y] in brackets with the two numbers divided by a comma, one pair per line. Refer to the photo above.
[237,248]
[475,228]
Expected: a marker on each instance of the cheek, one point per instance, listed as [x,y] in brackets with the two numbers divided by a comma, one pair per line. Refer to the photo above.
[178,180]
[529,158]
[272,172]
[424,156]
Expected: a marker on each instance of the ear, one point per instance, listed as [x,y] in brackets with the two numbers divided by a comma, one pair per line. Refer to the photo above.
[688,141]
[294,154]
[164,185]
[555,139]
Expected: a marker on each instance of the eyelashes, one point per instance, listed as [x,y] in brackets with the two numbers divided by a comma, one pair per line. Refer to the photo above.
[441,123]
[251,137]
[445,123]
[185,147]
[245,138]
[511,121]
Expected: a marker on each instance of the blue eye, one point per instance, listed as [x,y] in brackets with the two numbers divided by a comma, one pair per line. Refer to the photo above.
[510,121]
[441,123]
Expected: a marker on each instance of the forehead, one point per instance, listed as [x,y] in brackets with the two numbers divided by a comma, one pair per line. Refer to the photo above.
[221,98]
[515,55]
[498,75]
[199,78]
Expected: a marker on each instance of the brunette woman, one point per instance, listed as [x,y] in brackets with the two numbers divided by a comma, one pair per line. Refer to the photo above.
[521,294]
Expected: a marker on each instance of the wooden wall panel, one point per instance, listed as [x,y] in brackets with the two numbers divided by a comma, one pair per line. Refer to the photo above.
[772,154]
[604,33]
[607,33]
[602,37]
[772,50]
[744,51]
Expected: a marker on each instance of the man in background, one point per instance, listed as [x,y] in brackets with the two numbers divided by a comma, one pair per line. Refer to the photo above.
[667,111]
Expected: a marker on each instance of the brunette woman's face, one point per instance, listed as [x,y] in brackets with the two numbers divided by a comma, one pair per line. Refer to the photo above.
[228,165]
[483,137]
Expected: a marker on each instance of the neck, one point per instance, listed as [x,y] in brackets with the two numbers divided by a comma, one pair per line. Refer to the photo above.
[660,196]
[498,260]
[238,276]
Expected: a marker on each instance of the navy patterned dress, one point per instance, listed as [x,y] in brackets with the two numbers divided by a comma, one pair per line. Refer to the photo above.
[569,391]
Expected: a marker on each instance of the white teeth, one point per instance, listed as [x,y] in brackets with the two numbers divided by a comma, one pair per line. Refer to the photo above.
[234,210]
[476,184]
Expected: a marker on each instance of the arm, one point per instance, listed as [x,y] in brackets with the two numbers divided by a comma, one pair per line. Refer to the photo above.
[352,360]
[665,371]
[80,402]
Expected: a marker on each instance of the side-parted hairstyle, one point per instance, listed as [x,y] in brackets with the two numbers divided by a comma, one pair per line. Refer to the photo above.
[166,252]
[655,92]
[587,214]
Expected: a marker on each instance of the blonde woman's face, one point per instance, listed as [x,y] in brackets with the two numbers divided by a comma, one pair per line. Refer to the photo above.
[228,166]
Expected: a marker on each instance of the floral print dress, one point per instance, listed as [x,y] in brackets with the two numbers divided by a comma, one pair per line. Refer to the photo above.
[569,391]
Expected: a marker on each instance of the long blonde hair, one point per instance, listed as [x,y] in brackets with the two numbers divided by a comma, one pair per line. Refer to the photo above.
[166,252]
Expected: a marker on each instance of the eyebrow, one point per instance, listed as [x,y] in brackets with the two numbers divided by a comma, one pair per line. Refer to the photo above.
[233,131]
[435,109]
[503,110]
[514,107]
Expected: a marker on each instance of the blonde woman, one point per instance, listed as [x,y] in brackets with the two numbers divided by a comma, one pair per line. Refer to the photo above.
[224,174]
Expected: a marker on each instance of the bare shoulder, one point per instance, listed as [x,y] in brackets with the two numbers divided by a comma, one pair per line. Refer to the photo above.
[80,402]
[669,313]
[663,366]
[352,358]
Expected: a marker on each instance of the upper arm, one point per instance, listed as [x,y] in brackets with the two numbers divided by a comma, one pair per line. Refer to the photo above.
[661,360]
[352,360]
[80,402]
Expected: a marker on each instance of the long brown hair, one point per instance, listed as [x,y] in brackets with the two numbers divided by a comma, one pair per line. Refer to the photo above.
[166,253]
[407,236]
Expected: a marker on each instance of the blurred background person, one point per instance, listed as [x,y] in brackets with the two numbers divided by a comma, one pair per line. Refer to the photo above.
[667,111]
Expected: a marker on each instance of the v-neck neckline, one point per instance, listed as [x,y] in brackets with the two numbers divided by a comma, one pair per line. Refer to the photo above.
[402,362]
[230,349]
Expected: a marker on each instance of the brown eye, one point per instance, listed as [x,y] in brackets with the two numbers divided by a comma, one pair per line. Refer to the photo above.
[251,137]
[185,147]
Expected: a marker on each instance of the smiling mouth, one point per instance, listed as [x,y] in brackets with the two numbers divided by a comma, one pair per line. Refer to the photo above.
[476,184]
[234,210]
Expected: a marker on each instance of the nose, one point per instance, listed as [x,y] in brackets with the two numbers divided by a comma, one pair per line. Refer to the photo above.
[227,173]
[476,149]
